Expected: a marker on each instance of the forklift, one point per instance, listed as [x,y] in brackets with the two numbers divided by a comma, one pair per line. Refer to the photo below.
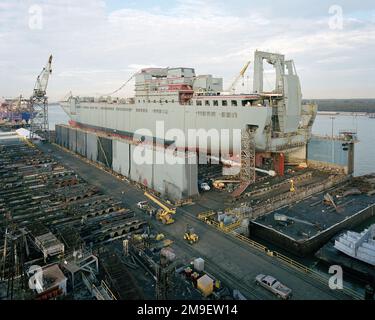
[190,236]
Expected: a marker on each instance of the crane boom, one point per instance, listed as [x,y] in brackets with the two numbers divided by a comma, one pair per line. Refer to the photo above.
[241,74]
[164,214]
[159,203]
[42,80]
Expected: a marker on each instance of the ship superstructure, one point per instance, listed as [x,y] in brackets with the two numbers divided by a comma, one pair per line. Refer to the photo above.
[359,246]
[180,99]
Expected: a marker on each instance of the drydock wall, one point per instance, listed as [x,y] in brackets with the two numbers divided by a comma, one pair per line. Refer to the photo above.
[173,179]
[305,247]
[72,133]
[121,158]
[91,146]
[105,151]
[334,153]
[81,143]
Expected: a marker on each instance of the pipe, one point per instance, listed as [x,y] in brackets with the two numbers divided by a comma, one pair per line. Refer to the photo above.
[232,163]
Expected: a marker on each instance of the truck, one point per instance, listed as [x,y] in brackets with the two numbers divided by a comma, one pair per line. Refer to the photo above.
[274,286]
[190,236]
[164,214]
[146,207]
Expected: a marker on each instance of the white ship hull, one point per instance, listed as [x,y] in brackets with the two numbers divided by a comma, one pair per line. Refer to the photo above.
[126,118]
[179,101]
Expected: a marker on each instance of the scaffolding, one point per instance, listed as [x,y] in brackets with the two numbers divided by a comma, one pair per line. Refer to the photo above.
[14,254]
[39,117]
[247,172]
[164,272]
[79,262]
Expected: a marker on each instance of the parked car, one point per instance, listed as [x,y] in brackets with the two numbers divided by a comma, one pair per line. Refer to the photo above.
[274,286]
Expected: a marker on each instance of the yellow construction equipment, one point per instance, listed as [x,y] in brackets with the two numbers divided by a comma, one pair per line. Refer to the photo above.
[232,87]
[190,236]
[164,213]
[159,236]
[220,184]
[292,187]
[137,237]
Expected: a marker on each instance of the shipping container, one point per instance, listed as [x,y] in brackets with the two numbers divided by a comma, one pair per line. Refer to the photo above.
[206,285]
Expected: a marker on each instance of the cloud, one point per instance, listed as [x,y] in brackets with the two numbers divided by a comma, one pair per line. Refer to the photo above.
[96,48]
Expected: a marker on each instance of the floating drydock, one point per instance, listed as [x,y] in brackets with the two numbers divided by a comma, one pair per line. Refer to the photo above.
[176,179]
[310,223]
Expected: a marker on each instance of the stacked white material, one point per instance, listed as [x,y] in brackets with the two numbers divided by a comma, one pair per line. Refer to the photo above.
[26,134]
[199,264]
[360,246]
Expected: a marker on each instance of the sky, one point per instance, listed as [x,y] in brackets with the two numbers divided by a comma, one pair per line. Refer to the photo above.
[98,44]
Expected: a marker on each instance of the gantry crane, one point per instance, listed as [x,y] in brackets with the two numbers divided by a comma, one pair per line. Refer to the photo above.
[232,87]
[39,103]
[165,213]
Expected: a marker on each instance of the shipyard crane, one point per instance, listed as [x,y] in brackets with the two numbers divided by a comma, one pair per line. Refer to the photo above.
[164,214]
[39,103]
[232,87]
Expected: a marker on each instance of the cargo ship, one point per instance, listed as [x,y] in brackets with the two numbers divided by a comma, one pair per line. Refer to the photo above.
[180,99]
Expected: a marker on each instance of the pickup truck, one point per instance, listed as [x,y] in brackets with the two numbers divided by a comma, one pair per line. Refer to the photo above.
[273,285]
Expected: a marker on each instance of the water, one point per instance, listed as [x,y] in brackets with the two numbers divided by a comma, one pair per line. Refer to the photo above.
[365,127]
[364,157]
[56,115]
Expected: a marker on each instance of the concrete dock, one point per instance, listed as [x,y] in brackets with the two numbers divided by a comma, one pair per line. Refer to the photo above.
[237,263]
